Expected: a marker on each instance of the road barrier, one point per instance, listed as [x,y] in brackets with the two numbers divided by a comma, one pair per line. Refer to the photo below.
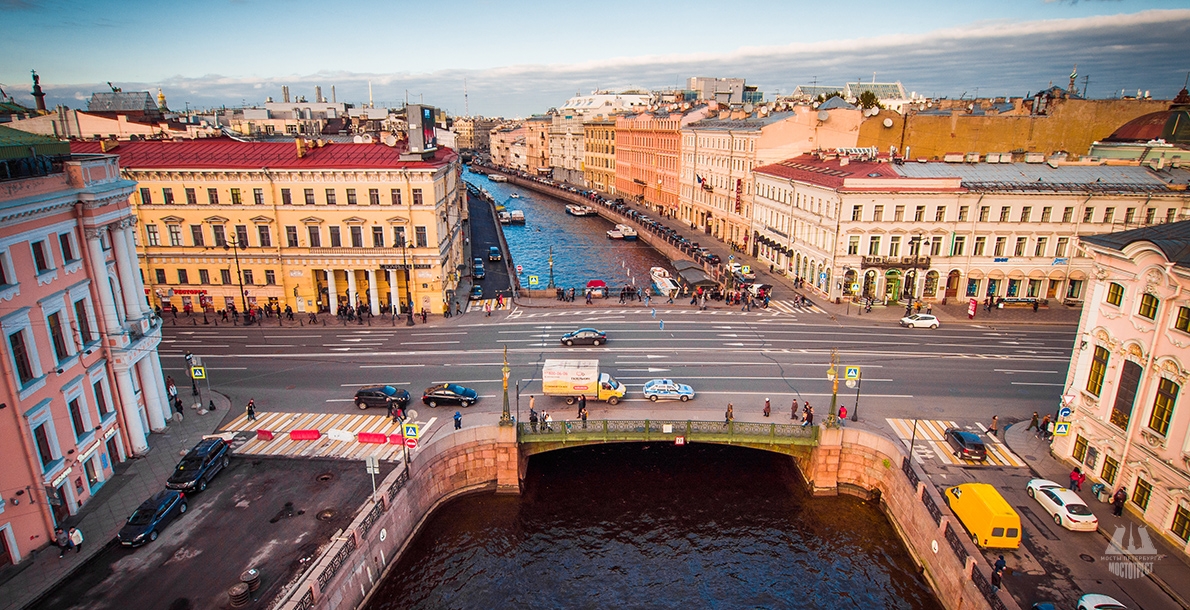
[372,437]
[304,435]
[396,439]
[264,435]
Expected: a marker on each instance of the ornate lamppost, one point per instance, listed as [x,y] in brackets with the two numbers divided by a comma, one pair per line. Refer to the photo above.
[234,245]
[505,416]
[408,295]
[833,375]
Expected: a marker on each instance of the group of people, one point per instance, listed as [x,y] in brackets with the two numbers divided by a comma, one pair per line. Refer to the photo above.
[67,540]
[564,294]
[1045,428]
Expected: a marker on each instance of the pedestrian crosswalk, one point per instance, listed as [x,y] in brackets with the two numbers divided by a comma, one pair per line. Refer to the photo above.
[247,441]
[776,308]
[925,438]
[793,308]
[480,305]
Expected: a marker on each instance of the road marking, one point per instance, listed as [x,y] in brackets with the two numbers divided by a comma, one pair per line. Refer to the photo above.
[389,366]
[931,433]
[1056,385]
[434,334]
[427,342]
[1024,371]
[357,385]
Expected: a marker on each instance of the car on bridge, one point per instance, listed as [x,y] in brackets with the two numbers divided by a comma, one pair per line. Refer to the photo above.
[449,394]
[151,517]
[667,389]
[584,336]
[494,253]
[966,445]
[919,320]
[1066,508]
[200,465]
[379,395]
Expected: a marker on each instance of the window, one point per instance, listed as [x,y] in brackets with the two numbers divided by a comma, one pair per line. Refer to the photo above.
[196,235]
[266,238]
[20,356]
[101,399]
[420,238]
[235,197]
[919,214]
[1080,448]
[1067,215]
[374,196]
[44,451]
[984,212]
[936,246]
[183,277]
[220,238]
[1039,249]
[191,197]
[6,276]
[357,236]
[67,244]
[999,249]
[857,212]
[309,193]
[1045,213]
[1098,368]
[213,196]
[1111,469]
[874,245]
[76,418]
[377,237]
[248,276]
[1141,493]
[980,243]
[1171,215]
[351,200]
[399,237]
[336,242]
[53,323]
[853,245]
[1167,395]
[291,238]
[395,196]
[151,236]
[1129,215]
[84,321]
[1149,215]
[270,277]
[894,245]
[175,234]
[1121,411]
[940,213]
[899,213]
[160,274]
[1021,244]
[963,213]
[1109,215]
[877,213]
[1061,249]
[960,244]
[146,196]
[168,196]
[242,236]
[1004,211]
[417,197]
[1026,214]
[225,276]
[286,197]
[330,196]
[1115,294]
[1088,214]
[1182,322]
[204,277]
[315,237]
[1148,306]
[258,196]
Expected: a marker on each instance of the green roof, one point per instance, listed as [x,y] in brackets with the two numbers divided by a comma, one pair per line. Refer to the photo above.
[17,144]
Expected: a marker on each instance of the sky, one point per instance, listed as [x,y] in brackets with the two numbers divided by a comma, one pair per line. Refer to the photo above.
[517,57]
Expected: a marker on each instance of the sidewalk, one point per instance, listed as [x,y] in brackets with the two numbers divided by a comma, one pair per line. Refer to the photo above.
[1171,573]
[132,483]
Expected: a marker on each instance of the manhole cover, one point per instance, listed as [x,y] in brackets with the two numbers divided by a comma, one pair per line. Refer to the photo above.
[1030,458]
[1087,558]
[326,477]
[326,514]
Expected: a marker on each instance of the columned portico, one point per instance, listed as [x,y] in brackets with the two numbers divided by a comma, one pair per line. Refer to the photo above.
[133,421]
[394,295]
[332,292]
[98,263]
[373,292]
[134,279]
[124,255]
[152,390]
[352,293]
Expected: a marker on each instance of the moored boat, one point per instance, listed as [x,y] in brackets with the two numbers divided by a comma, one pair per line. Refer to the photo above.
[579,210]
[505,218]
[627,232]
[614,234]
[497,178]
[517,217]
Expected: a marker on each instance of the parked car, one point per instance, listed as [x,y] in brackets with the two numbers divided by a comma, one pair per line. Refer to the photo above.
[1067,509]
[479,273]
[151,517]
[449,394]
[667,389]
[494,253]
[585,336]
[476,292]
[200,465]
[919,320]
[378,395]
[1095,601]
[966,445]
[714,259]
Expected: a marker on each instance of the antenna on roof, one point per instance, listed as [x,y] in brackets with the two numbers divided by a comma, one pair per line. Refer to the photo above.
[114,88]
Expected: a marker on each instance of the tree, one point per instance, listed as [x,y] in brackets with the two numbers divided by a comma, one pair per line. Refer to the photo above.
[867,99]
[822,97]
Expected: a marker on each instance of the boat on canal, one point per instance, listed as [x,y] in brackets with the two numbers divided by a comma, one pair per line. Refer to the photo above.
[614,234]
[663,281]
[627,232]
[515,195]
[517,217]
[497,178]
[505,218]
[580,210]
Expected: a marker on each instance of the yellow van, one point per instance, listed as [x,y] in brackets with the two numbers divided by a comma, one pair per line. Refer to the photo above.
[987,516]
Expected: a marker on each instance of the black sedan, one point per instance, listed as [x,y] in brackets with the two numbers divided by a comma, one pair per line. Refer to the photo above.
[151,517]
[966,445]
[449,394]
[200,465]
[585,336]
[379,395]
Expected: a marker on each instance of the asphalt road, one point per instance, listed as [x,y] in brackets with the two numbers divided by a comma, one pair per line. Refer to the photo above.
[484,234]
[958,372]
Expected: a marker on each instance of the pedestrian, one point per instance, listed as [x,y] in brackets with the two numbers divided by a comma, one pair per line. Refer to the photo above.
[171,389]
[487,308]
[1000,564]
[842,413]
[424,313]
[994,429]
[1117,502]
[63,542]
[588,293]
[532,418]
[388,405]
[251,409]
[1082,478]
[583,415]
[582,403]
[1045,422]
[730,415]
[793,410]
[458,309]
[76,539]
[398,414]
[1049,431]
[1075,476]
[997,580]
[549,421]
[1034,306]
[1032,423]
[458,421]
[767,409]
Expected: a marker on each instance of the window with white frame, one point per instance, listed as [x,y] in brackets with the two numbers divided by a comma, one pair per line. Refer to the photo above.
[70,251]
[8,276]
[21,347]
[43,259]
[45,437]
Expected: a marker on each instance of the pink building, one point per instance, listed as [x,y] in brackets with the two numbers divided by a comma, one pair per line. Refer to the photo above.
[81,382]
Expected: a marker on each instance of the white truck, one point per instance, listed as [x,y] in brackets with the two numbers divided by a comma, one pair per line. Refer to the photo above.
[574,378]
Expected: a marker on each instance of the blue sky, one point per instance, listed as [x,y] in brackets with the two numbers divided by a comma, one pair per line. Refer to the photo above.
[520,57]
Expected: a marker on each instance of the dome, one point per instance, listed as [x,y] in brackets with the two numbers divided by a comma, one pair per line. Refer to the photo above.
[1171,125]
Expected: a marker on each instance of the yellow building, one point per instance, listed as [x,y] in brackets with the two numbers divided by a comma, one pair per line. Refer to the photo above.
[304,226]
[599,154]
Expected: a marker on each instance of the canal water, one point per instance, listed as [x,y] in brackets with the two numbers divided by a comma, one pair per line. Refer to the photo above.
[581,249]
[656,526]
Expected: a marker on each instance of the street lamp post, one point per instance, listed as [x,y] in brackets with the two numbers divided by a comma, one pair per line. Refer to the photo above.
[859,382]
[833,375]
[505,416]
[551,267]
[234,245]
[408,294]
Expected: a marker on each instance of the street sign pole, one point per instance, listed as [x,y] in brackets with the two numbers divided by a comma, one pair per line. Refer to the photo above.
[373,467]
[859,382]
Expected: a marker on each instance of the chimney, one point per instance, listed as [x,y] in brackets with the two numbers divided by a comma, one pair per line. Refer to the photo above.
[334,100]
[318,94]
[285,93]
[301,152]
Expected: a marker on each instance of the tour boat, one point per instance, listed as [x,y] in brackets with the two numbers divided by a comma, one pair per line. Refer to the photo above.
[497,178]
[663,281]
[517,217]
[515,195]
[580,210]
[614,234]
[627,232]
[505,218]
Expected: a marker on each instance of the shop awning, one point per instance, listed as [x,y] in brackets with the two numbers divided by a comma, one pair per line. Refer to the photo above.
[1037,274]
[1078,275]
[696,278]
[1057,274]
[682,265]
[995,274]
[975,274]
[1016,274]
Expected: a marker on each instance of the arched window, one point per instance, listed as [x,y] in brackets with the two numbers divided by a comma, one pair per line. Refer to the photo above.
[931,288]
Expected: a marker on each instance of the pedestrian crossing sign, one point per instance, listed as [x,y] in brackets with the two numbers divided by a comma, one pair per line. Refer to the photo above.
[852,372]
[198,372]
[411,431]
[532,280]
[1062,429]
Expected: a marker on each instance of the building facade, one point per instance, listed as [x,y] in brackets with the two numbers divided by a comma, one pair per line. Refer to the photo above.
[537,145]
[312,228]
[566,148]
[599,154]
[1128,375]
[501,141]
[82,381]
[648,156]
[853,224]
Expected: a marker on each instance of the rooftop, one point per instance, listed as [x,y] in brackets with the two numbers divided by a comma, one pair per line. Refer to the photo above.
[17,144]
[1173,239]
[752,123]
[121,101]
[222,153]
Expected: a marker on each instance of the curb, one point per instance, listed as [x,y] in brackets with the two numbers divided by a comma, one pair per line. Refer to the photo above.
[70,572]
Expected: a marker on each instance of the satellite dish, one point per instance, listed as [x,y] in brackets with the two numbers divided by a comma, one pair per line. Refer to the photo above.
[748,108]
[367,138]
[823,115]
[390,140]
[888,122]
[358,139]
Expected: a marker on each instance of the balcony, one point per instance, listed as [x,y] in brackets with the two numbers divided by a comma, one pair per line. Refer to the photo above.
[895,262]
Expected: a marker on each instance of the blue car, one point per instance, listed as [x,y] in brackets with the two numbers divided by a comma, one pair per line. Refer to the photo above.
[151,517]
[667,389]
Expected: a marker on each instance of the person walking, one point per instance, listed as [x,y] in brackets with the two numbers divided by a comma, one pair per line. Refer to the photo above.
[1045,423]
[549,421]
[1117,502]
[997,580]
[171,389]
[63,542]
[730,415]
[76,539]
[388,408]
[251,409]
[767,408]
[487,308]
[1000,564]
[1032,423]
[458,421]
[583,415]
[1075,477]
[994,429]
[533,419]
[793,410]
[582,403]
[842,414]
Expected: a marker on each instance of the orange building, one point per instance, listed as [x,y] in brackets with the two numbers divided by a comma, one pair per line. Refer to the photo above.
[648,156]
[537,144]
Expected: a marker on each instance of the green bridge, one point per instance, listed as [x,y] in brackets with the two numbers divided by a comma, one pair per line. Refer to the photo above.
[789,439]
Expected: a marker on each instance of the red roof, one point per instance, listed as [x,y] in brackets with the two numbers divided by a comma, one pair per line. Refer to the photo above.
[223,153]
[831,174]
